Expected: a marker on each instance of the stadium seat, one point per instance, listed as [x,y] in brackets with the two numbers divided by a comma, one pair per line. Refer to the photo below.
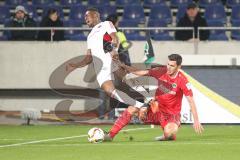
[7,33]
[181,12]
[32,11]
[217,35]
[70,2]
[161,13]
[235,16]
[232,3]
[150,3]
[131,34]
[215,13]
[177,3]
[72,23]
[206,3]
[79,37]
[134,13]
[16,2]
[122,3]
[77,13]
[98,2]
[43,3]
[159,35]
[4,13]
[74,34]
[235,34]
[106,10]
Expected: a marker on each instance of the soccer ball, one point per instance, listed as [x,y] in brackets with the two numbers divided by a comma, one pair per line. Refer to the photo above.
[95,135]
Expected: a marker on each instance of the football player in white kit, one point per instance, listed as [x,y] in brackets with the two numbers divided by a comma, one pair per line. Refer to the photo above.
[104,58]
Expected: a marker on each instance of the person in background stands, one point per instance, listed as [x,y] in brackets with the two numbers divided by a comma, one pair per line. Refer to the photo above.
[124,44]
[192,18]
[51,20]
[22,19]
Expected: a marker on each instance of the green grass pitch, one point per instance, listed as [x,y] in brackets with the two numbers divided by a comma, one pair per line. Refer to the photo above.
[217,142]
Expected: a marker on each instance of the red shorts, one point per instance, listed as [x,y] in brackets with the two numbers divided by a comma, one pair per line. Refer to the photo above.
[161,118]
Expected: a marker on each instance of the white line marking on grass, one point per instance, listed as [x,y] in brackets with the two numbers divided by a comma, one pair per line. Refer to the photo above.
[57,139]
[40,141]
[15,139]
[134,143]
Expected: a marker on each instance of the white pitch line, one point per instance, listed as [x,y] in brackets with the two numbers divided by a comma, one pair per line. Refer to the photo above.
[13,139]
[40,141]
[57,139]
[136,144]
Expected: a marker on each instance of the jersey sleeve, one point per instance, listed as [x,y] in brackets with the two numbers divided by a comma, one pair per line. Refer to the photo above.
[157,72]
[186,87]
[109,27]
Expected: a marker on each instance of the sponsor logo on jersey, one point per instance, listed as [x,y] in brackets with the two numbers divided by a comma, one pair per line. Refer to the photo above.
[174,85]
[172,92]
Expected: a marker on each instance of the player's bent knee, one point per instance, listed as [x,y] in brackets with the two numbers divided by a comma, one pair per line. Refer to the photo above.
[171,129]
[174,130]
[108,87]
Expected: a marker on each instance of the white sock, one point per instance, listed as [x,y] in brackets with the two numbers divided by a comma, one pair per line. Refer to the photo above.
[124,98]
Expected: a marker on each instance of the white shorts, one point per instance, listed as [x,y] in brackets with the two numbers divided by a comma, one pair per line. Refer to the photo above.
[106,74]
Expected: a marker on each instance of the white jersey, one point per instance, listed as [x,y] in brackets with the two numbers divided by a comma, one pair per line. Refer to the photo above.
[102,61]
[95,43]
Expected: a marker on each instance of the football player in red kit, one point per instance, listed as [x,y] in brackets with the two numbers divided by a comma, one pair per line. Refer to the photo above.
[166,106]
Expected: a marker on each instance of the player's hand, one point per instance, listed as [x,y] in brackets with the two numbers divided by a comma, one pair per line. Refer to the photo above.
[126,68]
[70,67]
[198,127]
[123,66]
[114,55]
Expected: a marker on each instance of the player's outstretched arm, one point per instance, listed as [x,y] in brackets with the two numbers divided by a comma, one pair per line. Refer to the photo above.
[135,70]
[197,125]
[87,60]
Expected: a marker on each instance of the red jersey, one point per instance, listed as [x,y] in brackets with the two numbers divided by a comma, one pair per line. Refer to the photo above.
[170,90]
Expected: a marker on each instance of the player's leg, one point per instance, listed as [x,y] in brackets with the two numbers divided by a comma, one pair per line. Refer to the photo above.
[170,131]
[170,125]
[137,83]
[125,117]
[133,81]
[121,122]
[111,91]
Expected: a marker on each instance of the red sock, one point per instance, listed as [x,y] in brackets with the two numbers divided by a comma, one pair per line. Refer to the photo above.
[121,122]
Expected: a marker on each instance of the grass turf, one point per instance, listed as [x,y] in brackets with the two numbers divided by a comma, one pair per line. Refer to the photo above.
[217,142]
